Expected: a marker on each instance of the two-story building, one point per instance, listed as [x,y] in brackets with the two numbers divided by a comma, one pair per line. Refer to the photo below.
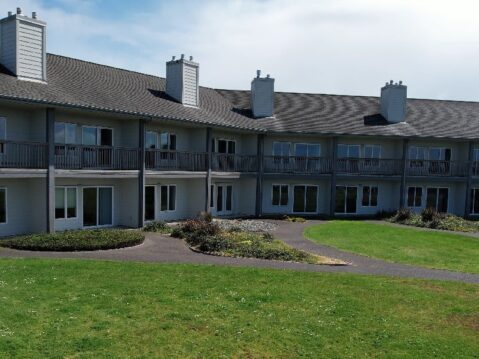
[84,145]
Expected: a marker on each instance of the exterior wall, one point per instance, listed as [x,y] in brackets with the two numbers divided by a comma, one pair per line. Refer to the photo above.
[390,148]
[244,196]
[31,51]
[8,41]
[24,124]
[246,144]
[26,209]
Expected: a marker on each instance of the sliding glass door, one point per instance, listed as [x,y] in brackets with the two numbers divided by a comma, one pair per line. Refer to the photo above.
[224,199]
[346,199]
[305,199]
[438,198]
[97,206]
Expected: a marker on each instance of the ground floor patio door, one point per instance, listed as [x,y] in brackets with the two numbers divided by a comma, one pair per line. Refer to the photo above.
[224,199]
[305,199]
[97,206]
[346,199]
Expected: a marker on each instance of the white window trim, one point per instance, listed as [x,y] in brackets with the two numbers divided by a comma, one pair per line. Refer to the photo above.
[154,204]
[168,210]
[422,196]
[65,200]
[98,206]
[369,200]
[6,206]
[272,194]
[282,155]
[437,199]
[217,139]
[345,200]
[307,144]
[224,185]
[317,198]
[98,134]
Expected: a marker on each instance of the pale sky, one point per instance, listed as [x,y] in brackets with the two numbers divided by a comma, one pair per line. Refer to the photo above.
[324,46]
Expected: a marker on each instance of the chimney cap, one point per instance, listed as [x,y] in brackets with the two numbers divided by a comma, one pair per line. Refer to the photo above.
[173,58]
[182,56]
[191,58]
[34,15]
[19,11]
[258,73]
[10,13]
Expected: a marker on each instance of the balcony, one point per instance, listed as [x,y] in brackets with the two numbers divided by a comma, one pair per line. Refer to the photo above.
[78,157]
[28,155]
[369,166]
[234,163]
[161,160]
[423,168]
[297,165]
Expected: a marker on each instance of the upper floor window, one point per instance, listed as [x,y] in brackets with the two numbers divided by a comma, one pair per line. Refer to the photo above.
[349,151]
[439,154]
[372,151]
[281,149]
[475,154]
[3,133]
[224,146]
[97,136]
[307,149]
[417,153]
[65,133]
[165,140]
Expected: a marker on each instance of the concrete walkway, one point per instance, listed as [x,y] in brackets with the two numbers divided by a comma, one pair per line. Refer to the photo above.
[158,248]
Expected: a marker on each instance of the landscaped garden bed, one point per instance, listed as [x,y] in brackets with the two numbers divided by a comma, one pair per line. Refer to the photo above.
[81,240]
[210,238]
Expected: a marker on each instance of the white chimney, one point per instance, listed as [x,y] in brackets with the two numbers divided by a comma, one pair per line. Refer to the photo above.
[262,96]
[394,102]
[182,81]
[23,46]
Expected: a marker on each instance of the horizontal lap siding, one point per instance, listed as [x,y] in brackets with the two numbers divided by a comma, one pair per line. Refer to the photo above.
[190,92]
[30,51]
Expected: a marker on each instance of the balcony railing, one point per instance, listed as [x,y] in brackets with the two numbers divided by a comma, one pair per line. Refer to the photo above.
[234,163]
[161,160]
[96,157]
[369,166]
[300,165]
[437,168]
[14,154]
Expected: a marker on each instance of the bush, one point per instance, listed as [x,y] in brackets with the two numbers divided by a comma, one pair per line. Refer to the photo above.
[294,219]
[157,226]
[403,214]
[428,214]
[205,217]
[177,232]
[200,228]
[81,240]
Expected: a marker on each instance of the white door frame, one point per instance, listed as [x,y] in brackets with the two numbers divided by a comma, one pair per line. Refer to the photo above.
[98,206]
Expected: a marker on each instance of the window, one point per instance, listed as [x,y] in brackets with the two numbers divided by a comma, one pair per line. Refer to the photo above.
[475,201]
[305,199]
[370,196]
[437,198]
[417,153]
[3,133]
[414,197]
[3,205]
[307,149]
[212,196]
[150,203]
[349,151]
[65,202]
[97,136]
[281,149]
[346,199]
[65,133]
[167,141]
[168,198]
[151,140]
[280,195]
[439,154]
[372,153]
[226,146]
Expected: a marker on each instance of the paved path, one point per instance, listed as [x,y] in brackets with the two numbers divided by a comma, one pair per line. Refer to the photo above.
[157,248]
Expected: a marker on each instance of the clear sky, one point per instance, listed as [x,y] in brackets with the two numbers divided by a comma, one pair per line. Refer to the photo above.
[321,46]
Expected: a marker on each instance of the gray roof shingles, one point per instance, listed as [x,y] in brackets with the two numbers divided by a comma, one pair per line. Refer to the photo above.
[87,85]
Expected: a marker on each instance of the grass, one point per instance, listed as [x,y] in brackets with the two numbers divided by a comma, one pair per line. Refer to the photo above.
[82,240]
[92,309]
[431,249]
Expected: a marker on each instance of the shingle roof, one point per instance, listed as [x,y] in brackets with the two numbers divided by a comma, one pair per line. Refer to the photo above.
[87,85]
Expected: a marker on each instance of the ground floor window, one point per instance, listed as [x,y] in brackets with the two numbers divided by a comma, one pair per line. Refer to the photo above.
[414,196]
[65,202]
[305,199]
[224,198]
[370,196]
[437,198]
[3,205]
[150,203]
[168,198]
[280,195]
[212,196]
[97,206]
[475,201]
[346,199]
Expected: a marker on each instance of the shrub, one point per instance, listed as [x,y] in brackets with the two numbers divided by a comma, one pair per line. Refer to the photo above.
[157,226]
[205,216]
[200,228]
[177,232]
[294,219]
[403,214]
[81,240]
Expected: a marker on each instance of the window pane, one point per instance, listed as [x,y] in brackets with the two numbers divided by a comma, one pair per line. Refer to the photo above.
[89,207]
[276,194]
[285,151]
[105,213]
[231,147]
[106,137]
[301,150]
[284,195]
[410,196]
[70,133]
[172,199]
[431,198]
[71,202]
[3,206]
[366,195]
[229,198]
[89,136]
[173,142]
[149,203]
[299,193]
[374,196]
[164,140]
[418,199]
[59,132]
[351,199]
[164,198]
[150,140]
[442,200]
[354,151]
[340,199]
[212,199]
[476,154]
[59,203]
[314,150]
[219,198]
[311,199]
[475,201]
[222,146]
[435,154]
[342,151]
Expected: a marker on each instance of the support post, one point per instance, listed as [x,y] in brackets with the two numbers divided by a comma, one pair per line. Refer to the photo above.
[332,199]
[141,173]
[470,157]
[209,159]
[402,189]
[50,186]
[259,176]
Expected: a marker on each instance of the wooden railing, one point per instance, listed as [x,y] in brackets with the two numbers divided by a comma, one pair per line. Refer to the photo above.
[234,163]
[301,165]
[369,166]
[96,157]
[161,160]
[437,168]
[15,154]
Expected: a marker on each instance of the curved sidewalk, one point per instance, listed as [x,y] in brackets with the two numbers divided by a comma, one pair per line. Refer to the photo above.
[158,248]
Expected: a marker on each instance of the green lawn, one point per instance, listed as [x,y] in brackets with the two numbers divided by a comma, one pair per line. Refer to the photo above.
[401,245]
[94,309]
